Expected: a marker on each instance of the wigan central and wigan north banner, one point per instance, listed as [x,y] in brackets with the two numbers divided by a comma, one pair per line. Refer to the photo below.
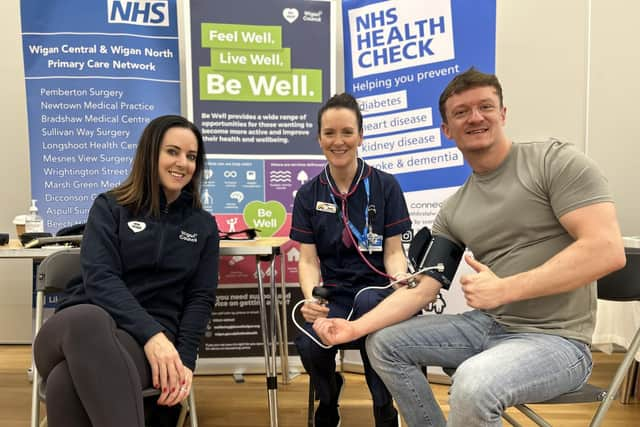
[97,71]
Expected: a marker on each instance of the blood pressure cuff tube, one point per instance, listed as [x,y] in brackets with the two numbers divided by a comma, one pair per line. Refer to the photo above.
[436,250]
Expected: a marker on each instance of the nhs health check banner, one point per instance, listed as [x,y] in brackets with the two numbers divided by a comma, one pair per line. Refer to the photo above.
[260,71]
[97,71]
[399,56]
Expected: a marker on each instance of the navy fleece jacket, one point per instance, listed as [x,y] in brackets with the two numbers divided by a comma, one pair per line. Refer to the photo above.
[151,274]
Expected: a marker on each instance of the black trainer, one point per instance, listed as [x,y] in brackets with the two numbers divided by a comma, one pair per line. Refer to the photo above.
[329,415]
[385,416]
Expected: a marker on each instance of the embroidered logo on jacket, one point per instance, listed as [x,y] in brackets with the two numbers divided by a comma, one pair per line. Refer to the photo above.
[188,237]
[136,226]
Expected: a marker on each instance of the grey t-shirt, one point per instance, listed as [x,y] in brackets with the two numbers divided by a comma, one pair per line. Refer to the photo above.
[509,219]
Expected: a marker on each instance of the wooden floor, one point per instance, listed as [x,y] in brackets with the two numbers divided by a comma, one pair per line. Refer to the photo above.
[222,402]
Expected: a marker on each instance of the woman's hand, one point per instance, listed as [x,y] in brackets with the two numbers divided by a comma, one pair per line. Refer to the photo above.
[167,371]
[181,392]
[401,279]
[185,388]
[312,310]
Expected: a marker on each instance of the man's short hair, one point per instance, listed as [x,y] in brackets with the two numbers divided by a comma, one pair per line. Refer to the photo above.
[470,79]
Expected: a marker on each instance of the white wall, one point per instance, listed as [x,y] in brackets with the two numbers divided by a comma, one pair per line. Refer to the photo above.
[614,110]
[15,187]
[543,53]
[541,63]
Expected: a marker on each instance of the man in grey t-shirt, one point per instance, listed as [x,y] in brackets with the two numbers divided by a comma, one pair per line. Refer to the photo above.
[542,226]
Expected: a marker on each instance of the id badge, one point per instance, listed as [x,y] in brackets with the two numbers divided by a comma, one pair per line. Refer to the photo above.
[374,243]
[326,207]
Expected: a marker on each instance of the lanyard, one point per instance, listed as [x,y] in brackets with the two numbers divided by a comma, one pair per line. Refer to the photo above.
[361,237]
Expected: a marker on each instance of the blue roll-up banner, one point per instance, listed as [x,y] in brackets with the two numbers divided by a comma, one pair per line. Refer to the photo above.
[97,71]
[399,56]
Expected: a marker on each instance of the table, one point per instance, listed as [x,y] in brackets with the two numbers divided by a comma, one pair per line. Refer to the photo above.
[16,306]
[617,321]
[15,250]
[267,249]
[264,249]
[616,324]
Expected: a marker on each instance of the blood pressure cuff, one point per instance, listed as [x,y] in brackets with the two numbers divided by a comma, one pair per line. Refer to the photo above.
[426,250]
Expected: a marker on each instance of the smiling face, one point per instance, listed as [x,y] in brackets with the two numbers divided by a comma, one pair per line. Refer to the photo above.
[177,160]
[475,120]
[340,138]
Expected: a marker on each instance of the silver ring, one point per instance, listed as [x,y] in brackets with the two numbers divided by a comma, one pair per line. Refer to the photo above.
[183,389]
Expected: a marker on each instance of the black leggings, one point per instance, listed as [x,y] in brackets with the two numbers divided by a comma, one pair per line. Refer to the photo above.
[94,372]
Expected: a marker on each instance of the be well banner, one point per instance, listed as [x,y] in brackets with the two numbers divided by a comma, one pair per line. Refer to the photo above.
[399,56]
[260,70]
[97,71]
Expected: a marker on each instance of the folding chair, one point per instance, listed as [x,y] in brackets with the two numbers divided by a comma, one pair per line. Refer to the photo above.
[621,285]
[54,273]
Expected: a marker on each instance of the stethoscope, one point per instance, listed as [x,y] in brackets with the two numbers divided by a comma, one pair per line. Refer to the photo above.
[367,237]
[439,267]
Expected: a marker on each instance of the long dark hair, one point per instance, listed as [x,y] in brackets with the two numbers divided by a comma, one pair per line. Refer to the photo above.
[140,191]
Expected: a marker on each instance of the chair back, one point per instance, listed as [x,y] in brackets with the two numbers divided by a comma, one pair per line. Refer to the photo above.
[624,284]
[58,269]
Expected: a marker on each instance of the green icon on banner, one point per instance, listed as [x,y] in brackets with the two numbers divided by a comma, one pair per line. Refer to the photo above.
[268,217]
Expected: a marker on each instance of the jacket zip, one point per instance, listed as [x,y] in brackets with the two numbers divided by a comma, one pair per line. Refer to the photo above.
[163,220]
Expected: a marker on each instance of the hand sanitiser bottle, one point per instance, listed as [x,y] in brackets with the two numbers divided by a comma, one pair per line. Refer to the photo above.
[33,222]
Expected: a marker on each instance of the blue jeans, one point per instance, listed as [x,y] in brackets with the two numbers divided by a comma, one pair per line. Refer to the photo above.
[496,369]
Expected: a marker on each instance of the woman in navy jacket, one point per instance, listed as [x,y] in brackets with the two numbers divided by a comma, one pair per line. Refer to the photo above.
[149,275]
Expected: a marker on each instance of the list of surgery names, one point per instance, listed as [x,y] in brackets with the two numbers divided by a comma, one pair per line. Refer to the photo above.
[88,138]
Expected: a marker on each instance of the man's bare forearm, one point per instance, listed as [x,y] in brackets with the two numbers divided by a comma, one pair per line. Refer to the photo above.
[399,306]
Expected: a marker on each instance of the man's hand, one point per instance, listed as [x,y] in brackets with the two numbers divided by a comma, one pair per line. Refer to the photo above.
[483,290]
[312,311]
[167,371]
[335,330]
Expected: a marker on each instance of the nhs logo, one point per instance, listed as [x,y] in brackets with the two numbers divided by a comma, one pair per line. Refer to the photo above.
[138,12]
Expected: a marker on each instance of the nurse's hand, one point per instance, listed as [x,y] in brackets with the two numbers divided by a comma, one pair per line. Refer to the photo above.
[401,279]
[312,310]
